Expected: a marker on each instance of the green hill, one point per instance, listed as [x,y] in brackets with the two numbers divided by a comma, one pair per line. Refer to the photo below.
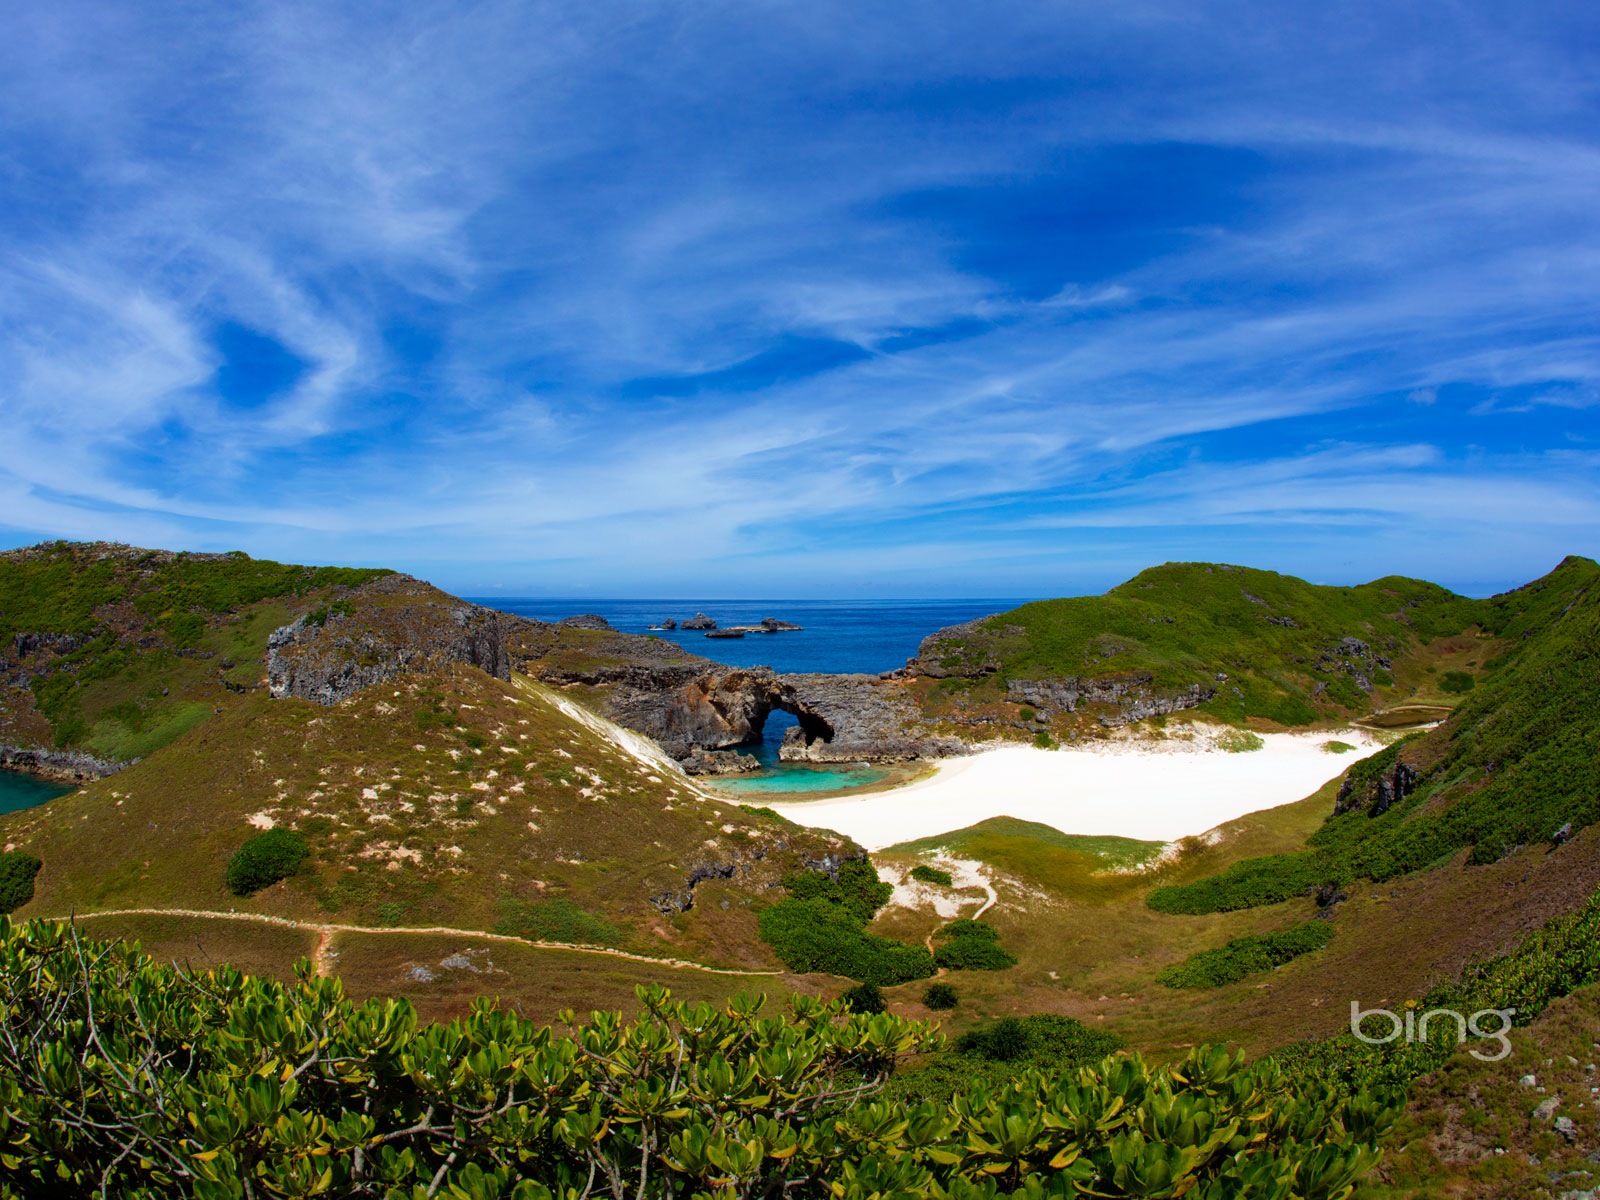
[115,651]
[1232,643]
[376,722]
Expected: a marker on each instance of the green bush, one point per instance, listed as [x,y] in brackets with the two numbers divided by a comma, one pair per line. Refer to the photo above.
[1457,682]
[17,869]
[1043,740]
[265,859]
[1245,956]
[864,998]
[971,946]
[927,874]
[818,935]
[940,997]
[683,1100]
[1246,884]
[1239,741]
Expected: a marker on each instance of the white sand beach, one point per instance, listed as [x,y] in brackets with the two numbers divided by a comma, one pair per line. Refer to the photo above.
[1153,790]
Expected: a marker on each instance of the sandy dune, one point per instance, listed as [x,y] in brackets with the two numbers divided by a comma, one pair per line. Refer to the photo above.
[1159,791]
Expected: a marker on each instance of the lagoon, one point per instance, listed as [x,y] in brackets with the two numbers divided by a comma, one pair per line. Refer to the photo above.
[19,791]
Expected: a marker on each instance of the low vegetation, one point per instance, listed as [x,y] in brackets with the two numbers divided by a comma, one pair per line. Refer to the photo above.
[223,1085]
[970,945]
[265,859]
[923,873]
[1556,960]
[1245,956]
[822,926]
[995,1052]
[17,870]
[940,997]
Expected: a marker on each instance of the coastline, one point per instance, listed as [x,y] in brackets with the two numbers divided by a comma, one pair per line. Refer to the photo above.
[1146,789]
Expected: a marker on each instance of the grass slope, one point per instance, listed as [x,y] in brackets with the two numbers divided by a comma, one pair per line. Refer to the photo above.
[1519,760]
[453,800]
[1272,647]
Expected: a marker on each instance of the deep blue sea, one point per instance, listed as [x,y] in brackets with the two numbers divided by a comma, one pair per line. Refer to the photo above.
[839,635]
[18,791]
[865,636]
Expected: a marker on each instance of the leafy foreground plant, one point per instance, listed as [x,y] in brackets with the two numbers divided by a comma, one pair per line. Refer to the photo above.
[123,1077]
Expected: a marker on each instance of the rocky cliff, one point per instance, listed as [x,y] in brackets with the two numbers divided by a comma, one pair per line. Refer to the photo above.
[393,625]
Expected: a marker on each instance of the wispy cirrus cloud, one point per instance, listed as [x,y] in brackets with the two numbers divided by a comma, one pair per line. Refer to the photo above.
[803,296]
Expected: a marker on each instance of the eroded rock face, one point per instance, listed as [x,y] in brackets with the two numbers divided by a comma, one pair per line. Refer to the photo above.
[402,625]
[1132,695]
[1382,795]
[67,766]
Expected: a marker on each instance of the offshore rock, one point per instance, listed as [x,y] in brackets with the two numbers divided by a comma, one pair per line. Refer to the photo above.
[724,633]
[699,621]
[775,625]
[414,627]
[585,621]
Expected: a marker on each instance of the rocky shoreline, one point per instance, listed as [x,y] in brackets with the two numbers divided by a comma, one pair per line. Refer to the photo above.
[59,766]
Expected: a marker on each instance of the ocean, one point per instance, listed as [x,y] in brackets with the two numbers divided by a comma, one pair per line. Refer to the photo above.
[837,636]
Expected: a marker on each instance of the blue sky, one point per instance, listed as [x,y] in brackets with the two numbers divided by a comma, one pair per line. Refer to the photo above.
[806,299]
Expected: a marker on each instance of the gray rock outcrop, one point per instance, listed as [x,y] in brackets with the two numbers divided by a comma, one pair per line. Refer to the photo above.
[1132,695]
[67,766]
[413,627]
[699,621]
[585,621]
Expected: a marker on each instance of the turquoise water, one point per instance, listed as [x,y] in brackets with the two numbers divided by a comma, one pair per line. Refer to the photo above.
[19,791]
[776,777]
[792,778]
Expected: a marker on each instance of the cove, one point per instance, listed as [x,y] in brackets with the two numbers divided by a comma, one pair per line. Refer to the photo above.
[19,791]
[779,777]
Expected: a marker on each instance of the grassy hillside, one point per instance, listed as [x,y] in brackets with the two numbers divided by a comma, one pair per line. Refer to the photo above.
[433,797]
[116,651]
[1517,762]
[1247,644]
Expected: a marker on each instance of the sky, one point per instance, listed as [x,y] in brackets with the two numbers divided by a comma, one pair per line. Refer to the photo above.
[810,299]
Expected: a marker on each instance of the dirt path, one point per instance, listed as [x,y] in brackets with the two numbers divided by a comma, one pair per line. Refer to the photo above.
[326,932]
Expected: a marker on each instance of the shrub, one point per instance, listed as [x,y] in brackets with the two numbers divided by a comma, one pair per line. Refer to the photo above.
[265,859]
[1042,740]
[1245,956]
[1457,682]
[971,946]
[940,997]
[1246,884]
[927,874]
[1239,741]
[386,1105]
[818,935]
[1337,747]
[17,869]
[864,998]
